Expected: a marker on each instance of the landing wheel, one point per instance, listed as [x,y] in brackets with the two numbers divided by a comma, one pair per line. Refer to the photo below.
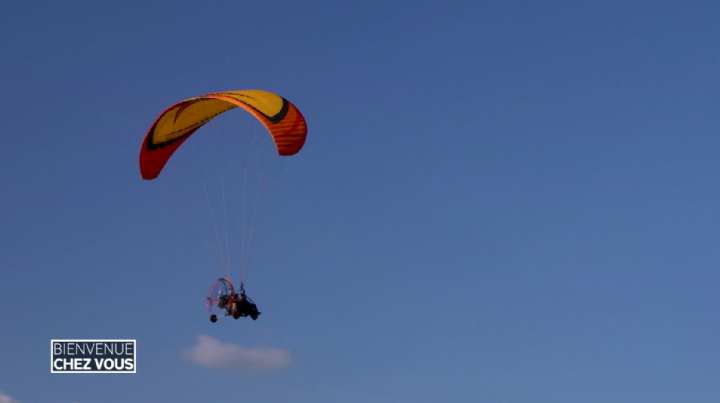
[213,318]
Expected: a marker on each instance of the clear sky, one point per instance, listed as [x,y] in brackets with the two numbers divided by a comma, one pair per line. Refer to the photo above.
[499,201]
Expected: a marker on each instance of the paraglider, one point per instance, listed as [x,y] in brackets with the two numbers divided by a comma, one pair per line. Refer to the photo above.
[223,297]
[283,121]
[177,123]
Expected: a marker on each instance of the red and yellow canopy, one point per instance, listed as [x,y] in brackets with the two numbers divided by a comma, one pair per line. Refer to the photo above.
[177,123]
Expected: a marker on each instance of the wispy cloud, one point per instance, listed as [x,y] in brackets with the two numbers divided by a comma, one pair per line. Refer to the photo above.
[213,353]
[7,399]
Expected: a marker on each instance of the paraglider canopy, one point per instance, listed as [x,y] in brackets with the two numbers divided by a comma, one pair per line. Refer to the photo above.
[284,122]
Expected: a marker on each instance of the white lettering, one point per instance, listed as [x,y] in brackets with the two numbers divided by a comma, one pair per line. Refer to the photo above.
[72,364]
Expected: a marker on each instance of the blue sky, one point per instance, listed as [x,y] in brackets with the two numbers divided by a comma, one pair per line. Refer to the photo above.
[499,201]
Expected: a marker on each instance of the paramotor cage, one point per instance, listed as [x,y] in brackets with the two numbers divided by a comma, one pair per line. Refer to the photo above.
[218,293]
